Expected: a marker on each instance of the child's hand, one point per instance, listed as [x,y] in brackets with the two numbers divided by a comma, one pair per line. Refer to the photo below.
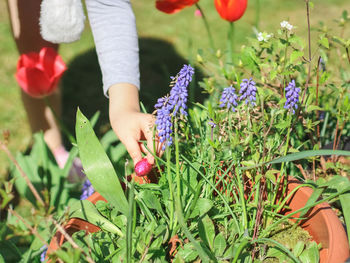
[128,122]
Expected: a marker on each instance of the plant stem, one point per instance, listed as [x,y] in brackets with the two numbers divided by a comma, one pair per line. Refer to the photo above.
[317,112]
[284,62]
[309,44]
[206,25]
[70,240]
[230,42]
[177,162]
[33,230]
[241,194]
[289,116]
[170,181]
[130,223]
[22,173]
[347,54]
[257,14]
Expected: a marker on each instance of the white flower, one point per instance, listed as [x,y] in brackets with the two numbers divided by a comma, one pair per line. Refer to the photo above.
[263,36]
[286,25]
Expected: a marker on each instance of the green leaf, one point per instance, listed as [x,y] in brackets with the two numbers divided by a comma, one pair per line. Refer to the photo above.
[295,55]
[324,42]
[87,211]
[298,248]
[97,166]
[271,175]
[206,231]
[312,199]
[313,108]
[151,200]
[203,206]
[310,254]
[219,245]
[280,247]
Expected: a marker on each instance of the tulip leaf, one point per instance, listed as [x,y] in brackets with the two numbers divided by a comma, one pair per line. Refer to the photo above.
[97,165]
[87,211]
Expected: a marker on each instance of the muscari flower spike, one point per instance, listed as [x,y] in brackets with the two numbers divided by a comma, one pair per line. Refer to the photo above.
[86,190]
[43,253]
[292,96]
[211,123]
[248,91]
[169,106]
[229,99]
[179,94]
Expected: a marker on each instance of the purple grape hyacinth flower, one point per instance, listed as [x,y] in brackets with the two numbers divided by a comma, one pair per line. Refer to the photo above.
[43,253]
[169,106]
[211,123]
[179,94]
[229,99]
[164,124]
[248,91]
[292,96]
[86,190]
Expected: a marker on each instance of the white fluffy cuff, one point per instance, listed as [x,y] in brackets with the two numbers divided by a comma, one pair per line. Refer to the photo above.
[61,21]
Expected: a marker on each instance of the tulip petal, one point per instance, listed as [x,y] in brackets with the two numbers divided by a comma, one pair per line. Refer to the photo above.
[29,60]
[34,82]
[231,10]
[173,6]
[51,63]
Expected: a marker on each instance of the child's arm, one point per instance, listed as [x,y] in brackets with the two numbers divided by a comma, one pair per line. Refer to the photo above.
[128,122]
[114,30]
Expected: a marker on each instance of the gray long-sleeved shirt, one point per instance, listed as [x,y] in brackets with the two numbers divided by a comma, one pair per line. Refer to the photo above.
[114,30]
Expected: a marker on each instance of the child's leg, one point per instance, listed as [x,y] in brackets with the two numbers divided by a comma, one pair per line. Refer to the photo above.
[24,16]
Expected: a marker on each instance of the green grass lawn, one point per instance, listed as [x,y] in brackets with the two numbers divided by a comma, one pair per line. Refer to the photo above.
[166,42]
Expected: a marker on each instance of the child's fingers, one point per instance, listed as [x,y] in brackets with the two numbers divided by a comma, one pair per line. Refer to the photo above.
[147,131]
[133,149]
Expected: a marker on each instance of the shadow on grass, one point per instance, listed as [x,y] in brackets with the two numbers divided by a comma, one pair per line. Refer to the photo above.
[82,83]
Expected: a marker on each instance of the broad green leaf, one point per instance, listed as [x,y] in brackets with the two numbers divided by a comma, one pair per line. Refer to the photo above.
[219,245]
[188,253]
[295,55]
[151,200]
[298,248]
[313,198]
[206,231]
[87,211]
[97,166]
[310,254]
[280,247]
[324,42]
[271,175]
[203,206]
[312,108]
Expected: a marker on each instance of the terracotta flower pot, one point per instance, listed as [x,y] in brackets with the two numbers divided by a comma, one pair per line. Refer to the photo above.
[75,225]
[322,224]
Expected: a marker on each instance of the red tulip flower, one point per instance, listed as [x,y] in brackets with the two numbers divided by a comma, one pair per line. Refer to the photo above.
[231,10]
[38,73]
[173,6]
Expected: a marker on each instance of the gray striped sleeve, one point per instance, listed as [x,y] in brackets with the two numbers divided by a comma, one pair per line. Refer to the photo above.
[114,30]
